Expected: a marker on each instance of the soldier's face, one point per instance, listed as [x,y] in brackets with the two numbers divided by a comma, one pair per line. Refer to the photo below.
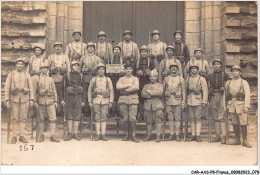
[57,48]
[91,49]
[101,71]
[75,67]
[102,38]
[170,52]
[128,36]
[19,65]
[129,71]
[174,69]
[198,54]
[194,70]
[44,70]
[77,36]
[156,36]
[153,78]
[38,51]
[236,73]
[178,36]
[217,66]
[116,51]
[144,53]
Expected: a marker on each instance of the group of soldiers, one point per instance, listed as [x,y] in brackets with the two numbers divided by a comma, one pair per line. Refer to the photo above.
[158,83]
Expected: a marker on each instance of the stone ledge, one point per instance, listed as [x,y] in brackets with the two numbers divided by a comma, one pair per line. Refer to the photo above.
[241,49]
[232,10]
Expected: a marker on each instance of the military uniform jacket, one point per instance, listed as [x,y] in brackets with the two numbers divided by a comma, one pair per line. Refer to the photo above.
[181,49]
[202,63]
[217,79]
[130,49]
[89,61]
[35,64]
[235,86]
[75,50]
[157,48]
[104,88]
[197,83]
[20,82]
[45,92]
[153,99]
[116,59]
[174,90]
[164,66]
[60,62]
[133,82]
[146,63]
[104,51]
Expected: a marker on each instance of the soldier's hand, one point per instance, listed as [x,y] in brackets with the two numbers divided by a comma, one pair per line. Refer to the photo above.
[148,91]
[31,103]
[246,110]
[56,104]
[110,105]
[82,104]
[62,103]
[8,105]
[36,105]
[90,105]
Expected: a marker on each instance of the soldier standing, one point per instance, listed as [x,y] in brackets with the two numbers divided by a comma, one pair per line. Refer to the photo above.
[88,66]
[76,49]
[19,84]
[130,51]
[128,101]
[75,96]
[103,48]
[197,97]
[59,65]
[153,106]
[200,61]
[46,102]
[181,50]
[164,65]
[157,49]
[175,97]
[237,93]
[100,97]
[216,83]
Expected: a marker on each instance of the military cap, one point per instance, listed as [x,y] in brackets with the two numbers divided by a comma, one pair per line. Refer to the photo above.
[24,60]
[155,32]
[38,46]
[127,65]
[177,31]
[116,46]
[57,43]
[198,49]
[194,65]
[173,64]
[144,47]
[44,65]
[216,60]
[74,62]
[102,33]
[76,31]
[90,44]
[100,65]
[127,31]
[237,67]
[154,72]
[169,47]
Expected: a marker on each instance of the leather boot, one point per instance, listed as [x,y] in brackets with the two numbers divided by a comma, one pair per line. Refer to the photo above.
[69,137]
[126,138]
[237,136]
[104,137]
[133,128]
[76,129]
[244,135]
[22,139]
[223,140]
[217,138]
[149,133]
[171,137]
[41,138]
[158,132]
[14,140]
[54,139]
[178,139]
[98,138]
[198,139]
[193,138]
[76,137]
[103,131]
[158,138]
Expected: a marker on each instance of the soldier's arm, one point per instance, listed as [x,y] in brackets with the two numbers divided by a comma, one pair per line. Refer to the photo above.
[158,92]
[135,86]
[120,85]
[111,90]
[144,93]
[204,90]
[90,91]
[180,68]
[7,87]
[186,53]
[30,86]
[54,90]
[247,94]
[183,88]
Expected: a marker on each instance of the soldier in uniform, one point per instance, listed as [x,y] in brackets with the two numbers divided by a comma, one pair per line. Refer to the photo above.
[74,89]
[174,94]
[237,94]
[181,50]
[100,97]
[145,67]
[164,65]
[197,97]
[88,68]
[200,61]
[216,83]
[59,65]
[157,49]
[103,48]
[46,102]
[130,51]
[153,106]
[128,101]
[19,84]
[76,49]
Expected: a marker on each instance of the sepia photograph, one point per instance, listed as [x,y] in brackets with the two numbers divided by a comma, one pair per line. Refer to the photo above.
[133,83]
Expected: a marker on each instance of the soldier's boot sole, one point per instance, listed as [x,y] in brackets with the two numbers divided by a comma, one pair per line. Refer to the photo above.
[14,140]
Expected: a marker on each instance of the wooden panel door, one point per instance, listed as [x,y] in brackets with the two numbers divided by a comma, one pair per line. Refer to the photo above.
[139,17]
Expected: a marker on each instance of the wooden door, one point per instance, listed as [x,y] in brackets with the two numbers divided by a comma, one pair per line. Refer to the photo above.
[139,17]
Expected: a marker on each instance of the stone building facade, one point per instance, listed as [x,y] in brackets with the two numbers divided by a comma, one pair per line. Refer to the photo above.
[226,30]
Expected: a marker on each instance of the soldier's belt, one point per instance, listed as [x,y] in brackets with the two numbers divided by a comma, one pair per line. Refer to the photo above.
[128,93]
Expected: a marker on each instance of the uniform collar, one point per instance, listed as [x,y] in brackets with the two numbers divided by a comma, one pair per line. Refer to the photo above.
[76,41]
[194,76]
[90,54]
[178,42]
[44,75]
[127,41]
[156,41]
[174,75]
